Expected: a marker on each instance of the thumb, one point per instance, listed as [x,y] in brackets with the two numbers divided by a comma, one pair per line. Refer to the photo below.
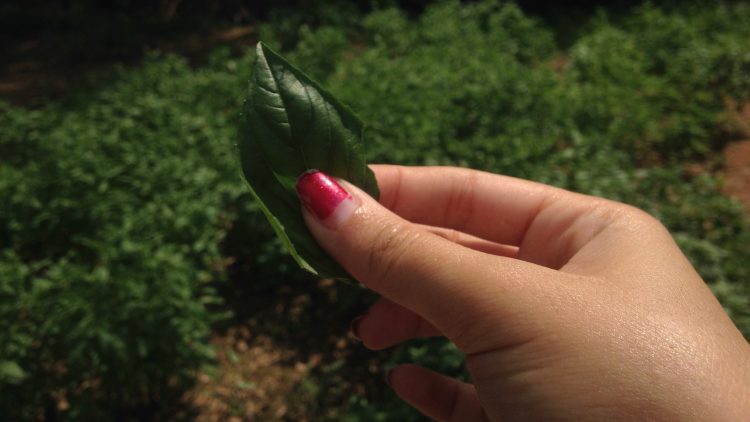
[445,283]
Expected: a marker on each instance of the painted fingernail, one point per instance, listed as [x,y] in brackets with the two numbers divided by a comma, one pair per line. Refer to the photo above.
[354,327]
[324,198]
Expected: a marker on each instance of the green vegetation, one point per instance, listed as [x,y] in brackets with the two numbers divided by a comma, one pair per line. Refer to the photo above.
[123,207]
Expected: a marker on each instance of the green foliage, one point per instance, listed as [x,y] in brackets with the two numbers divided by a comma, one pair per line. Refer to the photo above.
[463,82]
[292,125]
[123,203]
[113,210]
[661,79]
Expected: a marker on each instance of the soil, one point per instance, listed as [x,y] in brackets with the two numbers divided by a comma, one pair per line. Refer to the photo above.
[737,171]
[256,379]
[281,359]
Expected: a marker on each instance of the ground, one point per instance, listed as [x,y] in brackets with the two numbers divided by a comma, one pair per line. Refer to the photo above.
[737,156]
[279,363]
[255,378]
[737,171]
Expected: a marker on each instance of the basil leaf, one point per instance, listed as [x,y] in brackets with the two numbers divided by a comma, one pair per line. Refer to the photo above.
[291,125]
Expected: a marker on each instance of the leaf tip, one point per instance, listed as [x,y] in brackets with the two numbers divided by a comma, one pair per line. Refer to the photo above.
[266,54]
[260,48]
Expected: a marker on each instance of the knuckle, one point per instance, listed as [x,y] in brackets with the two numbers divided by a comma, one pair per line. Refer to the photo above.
[634,219]
[388,246]
[462,332]
[451,235]
[460,204]
[641,217]
[395,200]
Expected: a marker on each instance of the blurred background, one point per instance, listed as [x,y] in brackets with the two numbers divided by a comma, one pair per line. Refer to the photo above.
[138,279]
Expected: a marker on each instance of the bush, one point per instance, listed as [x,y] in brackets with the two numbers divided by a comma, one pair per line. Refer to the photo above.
[113,210]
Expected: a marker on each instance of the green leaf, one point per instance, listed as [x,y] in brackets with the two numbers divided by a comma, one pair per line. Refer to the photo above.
[292,125]
[11,372]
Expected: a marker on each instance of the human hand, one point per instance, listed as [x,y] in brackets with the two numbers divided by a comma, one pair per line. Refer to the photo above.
[566,306]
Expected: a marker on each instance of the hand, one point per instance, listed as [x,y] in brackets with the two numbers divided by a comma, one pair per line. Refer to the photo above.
[566,306]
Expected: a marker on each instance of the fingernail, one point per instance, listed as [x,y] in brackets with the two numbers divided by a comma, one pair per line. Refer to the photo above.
[324,198]
[388,374]
[354,327]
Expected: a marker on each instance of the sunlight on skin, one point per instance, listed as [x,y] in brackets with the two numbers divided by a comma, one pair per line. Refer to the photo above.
[589,310]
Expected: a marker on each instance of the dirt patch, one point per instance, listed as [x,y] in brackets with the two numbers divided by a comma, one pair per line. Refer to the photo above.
[738,118]
[559,62]
[737,171]
[256,379]
[283,360]
[737,153]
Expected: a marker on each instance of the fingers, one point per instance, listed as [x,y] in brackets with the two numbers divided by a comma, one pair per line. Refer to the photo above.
[387,324]
[473,242]
[435,395]
[450,286]
[496,208]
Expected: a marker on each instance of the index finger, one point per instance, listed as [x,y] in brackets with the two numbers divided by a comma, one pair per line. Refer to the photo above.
[494,207]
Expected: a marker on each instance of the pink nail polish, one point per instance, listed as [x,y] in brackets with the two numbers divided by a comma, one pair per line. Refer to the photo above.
[330,203]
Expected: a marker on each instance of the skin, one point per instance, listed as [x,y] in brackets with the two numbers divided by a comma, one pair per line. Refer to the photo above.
[566,306]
